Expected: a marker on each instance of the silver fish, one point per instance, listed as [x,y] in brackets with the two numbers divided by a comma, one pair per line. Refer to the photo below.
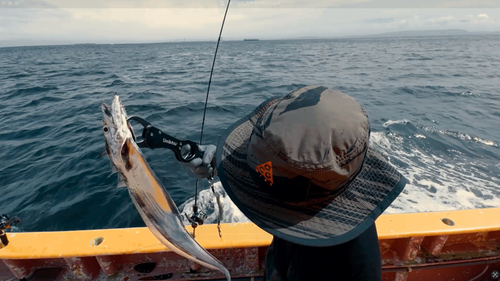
[150,197]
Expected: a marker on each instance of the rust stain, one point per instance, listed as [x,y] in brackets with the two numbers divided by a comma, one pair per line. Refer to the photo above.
[401,276]
[20,268]
[481,236]
[247,262]
[413,248]
[435,244]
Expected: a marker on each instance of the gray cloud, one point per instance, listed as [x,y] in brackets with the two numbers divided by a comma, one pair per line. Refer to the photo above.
[423,4]
[122,25]
[13,22]
[380,20]
[30,4]
[271,4]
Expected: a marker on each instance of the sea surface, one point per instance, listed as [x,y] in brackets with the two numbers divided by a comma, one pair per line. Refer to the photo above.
[433,103]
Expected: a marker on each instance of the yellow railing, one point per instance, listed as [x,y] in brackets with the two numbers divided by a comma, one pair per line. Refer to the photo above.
[36,245]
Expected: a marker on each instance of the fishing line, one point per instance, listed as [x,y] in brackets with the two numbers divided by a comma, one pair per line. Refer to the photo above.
[195,206]
[211,72]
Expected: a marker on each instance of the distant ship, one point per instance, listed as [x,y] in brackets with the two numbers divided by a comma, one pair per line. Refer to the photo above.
[250,39]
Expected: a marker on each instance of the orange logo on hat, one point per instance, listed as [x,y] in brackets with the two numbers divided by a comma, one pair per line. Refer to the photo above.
[266,170]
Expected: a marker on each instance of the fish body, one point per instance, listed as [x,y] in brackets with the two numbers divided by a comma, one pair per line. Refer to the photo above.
[151,199]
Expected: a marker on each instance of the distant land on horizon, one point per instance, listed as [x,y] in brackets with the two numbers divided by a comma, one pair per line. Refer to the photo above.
[443,32]
[394,34]
[407,33]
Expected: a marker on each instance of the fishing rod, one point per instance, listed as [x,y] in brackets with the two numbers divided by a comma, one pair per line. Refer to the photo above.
[199,217]
[184,150]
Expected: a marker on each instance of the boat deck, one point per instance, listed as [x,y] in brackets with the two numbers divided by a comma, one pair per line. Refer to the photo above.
[458,245]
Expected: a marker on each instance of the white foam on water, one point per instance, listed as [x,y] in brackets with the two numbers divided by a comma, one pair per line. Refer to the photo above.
[462,136]
[486,142]
[459,135]
[15,229]
[392,122]
[470,93]
[436,184]
[207,203]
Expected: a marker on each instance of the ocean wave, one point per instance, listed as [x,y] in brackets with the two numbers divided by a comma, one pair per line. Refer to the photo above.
[42,100]
[20,75]
[392,122]
[47,63]
[198,107]
[408,90]
[437,182]
[29,91]
[52,178]
[145,95]
[461,136]
[25,134]
[117,82]
[470,93]
[87,73]
[74,73]
[419,58]
[165,72]
[431,129]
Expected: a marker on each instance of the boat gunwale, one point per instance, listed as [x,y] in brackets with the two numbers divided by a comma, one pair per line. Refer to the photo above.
[139,240]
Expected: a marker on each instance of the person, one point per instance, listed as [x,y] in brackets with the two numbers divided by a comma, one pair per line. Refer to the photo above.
[301,168]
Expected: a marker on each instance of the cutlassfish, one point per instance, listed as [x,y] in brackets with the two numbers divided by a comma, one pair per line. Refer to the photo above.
[148,194]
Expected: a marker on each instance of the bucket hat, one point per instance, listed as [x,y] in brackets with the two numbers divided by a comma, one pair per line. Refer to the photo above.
[301,168]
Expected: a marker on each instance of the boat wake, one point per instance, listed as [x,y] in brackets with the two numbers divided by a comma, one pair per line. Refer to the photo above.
[441,166]
[208,204]
[438,181]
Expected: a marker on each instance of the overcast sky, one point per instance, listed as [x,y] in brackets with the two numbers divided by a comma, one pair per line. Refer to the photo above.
[120,21]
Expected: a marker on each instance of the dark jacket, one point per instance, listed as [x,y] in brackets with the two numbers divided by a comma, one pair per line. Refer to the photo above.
[358,259]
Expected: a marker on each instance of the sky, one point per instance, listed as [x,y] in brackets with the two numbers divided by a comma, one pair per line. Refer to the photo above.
[34,22]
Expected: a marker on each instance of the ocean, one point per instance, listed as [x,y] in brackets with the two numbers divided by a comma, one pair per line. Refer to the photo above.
[433,103]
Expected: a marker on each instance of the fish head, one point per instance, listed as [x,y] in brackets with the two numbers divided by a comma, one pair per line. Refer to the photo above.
[117,132]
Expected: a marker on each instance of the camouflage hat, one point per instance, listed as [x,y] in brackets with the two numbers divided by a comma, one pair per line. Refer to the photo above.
[301,168]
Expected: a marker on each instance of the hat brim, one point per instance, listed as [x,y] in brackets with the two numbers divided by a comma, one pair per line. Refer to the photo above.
[332,223]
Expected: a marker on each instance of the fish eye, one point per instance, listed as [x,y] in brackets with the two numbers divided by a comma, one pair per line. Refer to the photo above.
[105,129]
